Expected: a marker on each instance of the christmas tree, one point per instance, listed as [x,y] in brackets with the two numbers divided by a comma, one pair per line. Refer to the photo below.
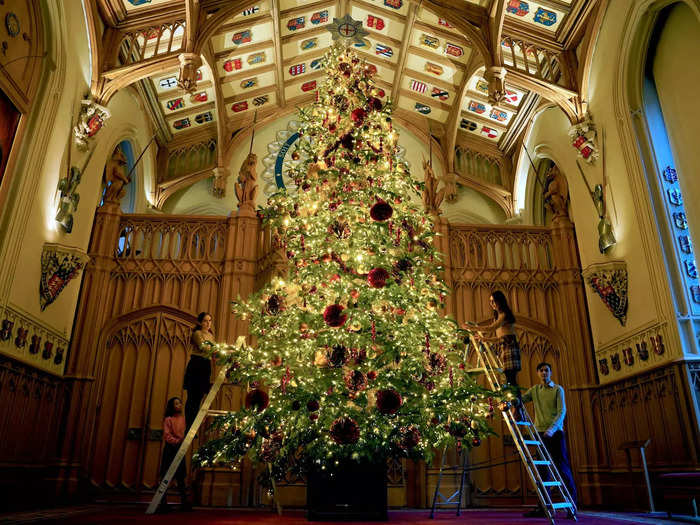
[353,358]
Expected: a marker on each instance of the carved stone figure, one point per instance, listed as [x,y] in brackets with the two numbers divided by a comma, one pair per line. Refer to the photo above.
[432,198]
[90,121]
[115,177]
[556,195]
[189,64]
[496,78]
[247,187]
[449,184]
[219,183]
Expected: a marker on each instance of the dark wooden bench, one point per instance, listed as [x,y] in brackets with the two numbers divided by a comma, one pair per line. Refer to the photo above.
[680,486]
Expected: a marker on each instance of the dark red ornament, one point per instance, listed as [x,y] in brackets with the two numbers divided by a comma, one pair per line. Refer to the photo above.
[371,375]
[410,437]
[312,406]
[476,441]
[388,401]
[381,211]
[275,304]
[457,429]
[356,381]
[436,363]
[374,103]
[358,116]
[345,431]
[338,356]
[257,399]
[333,315]
[377,277]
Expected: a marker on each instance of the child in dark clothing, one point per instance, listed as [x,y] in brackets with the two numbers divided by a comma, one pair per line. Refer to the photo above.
[173,434]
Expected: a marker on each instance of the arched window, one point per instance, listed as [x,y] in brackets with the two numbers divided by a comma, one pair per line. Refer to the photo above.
[669,156]
[128,202]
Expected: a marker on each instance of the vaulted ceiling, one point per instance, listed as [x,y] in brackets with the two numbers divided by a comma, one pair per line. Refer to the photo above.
[439,61]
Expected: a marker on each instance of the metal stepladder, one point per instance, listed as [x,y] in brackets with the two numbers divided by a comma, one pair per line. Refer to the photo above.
[552,492]
[204,411]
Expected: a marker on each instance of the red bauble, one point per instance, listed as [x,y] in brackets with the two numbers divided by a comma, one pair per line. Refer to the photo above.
[333,315]
[381,211]
[388,401]
[338,356]
[371,375]
[358,116]
[436,363]
[312,406]
[275,304]
[476,441]
[345,431]
[377,277]
[410,437]
[457,429]
[374,103]
[257,399]
[355,380]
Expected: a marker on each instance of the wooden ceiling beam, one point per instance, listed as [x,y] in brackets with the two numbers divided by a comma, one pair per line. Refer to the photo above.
[277,42]
[455,117]
[221,131]
[406,41]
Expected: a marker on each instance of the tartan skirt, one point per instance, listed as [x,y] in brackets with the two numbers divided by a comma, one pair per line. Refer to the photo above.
[509,352]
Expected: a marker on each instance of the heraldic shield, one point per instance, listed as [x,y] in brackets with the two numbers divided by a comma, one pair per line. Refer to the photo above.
[609,282]
[59,264]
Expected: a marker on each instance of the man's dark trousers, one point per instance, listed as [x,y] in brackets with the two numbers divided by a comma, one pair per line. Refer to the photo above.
[556,445]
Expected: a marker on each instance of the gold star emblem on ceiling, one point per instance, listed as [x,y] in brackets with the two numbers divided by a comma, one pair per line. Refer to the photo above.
[347,29]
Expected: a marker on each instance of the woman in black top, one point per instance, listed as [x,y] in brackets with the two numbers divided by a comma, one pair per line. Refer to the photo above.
[198,373]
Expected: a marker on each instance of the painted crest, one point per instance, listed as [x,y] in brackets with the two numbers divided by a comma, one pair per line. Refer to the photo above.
[603,366]
[240,106]
[363,43]
[609,282]
[139,2]
[684,244]
[675,197]
[444,23]
[476,107]
[422,108]
[657,343]
[670,175]
[394,4]
[384,51]
[321,17]
[615,362]
[691,269]
[58,359]
[482,86]
[12,24]
[467,125]
[316,64]
[439,93]
[182,123]
[435,69]
[203,118]
[347,28]
[375,22]
[199,97]
[497,114]
[250,11]
[418,86]
[489,132]
[429,41]
[256,58]
[680,220]
[199,75]
[298,69]
[545,17]
[242,37]
[583,138]
[233,65]
[6,331]
[695,293]
[512,97]
[59,265]
[35,344]
[296,23]
[90,120]
[628,356]
[642,350]
[308,86]
[21,339]
[309,43]
[518,7]
[175,104]
[168,82]
[48,350]
[259,101]
[453,50]
[249,83]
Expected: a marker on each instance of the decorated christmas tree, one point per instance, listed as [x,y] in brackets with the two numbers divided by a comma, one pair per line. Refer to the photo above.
[352,359]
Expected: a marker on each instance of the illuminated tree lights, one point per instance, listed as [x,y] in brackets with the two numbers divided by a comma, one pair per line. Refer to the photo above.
[354,360]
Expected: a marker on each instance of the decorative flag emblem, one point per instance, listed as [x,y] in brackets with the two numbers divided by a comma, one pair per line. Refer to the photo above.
[319,18]
[204,117]
[256,58]
[296,23]
[363,43]
[482,86]
[259,101]
[680,220]
[628,356]
[453,50]
[94,124]
[691,269]
[182,123]
[316,64]
[615,362]
[394,4]
[544,17]
[684,243]
[518,7]
[297,69]
[308,86]
[642,350]
[675,197]
[476,107]
[231,65]
[497,114]
[176,103]
[249,83]
[199,97]
[309,44]
[242,37]
[384,51]
[670,174]
[489,132]
[657,343]
[429,41]
[422,108]
[603,366]
[375,22]
[347,28]
[435,69]
[440,94]
[240,106]
[444,22]
[467,124]
[199,75]
[420,87]
[512,97]
[168,82]
[250,11]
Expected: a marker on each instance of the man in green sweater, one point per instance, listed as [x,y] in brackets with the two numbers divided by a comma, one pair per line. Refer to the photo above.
[550,410]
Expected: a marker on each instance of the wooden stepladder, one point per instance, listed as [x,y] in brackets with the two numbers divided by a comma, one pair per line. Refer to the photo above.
[194,428]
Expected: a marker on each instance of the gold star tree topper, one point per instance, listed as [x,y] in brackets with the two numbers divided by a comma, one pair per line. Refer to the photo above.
[348,30]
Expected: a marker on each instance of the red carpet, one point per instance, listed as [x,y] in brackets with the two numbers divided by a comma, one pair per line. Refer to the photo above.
[111,515]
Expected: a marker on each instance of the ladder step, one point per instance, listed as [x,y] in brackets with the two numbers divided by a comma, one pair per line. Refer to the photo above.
[523,423]
[540,462]
[218,412]
[531,442]
[563,505]
[551,483]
